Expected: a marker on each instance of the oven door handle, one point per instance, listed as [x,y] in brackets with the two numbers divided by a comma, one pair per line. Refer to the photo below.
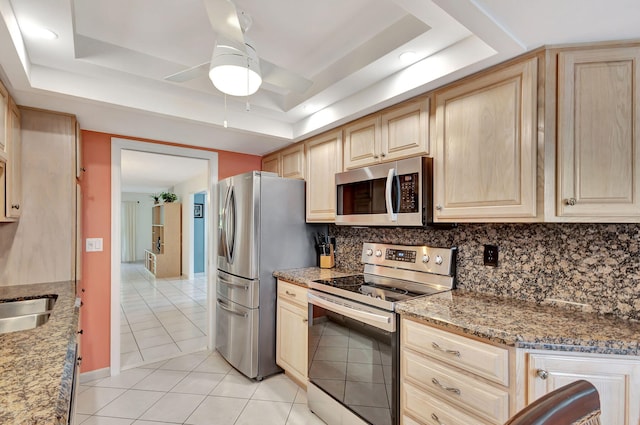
[353,313]
[393,216]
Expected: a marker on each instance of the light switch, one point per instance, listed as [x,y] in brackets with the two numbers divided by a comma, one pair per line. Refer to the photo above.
[93,245]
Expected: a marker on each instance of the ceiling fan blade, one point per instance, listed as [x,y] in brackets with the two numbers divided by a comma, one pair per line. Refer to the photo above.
[280,77]
[224,21]
[189,74]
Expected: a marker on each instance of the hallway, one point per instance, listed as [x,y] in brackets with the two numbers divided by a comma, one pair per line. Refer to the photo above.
[160,318]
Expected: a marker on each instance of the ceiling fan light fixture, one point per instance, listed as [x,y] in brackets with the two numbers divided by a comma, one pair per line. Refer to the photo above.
[234,72]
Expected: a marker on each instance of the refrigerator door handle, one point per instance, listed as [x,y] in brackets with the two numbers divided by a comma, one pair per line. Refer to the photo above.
[230,225]
[223,226]
[230,310]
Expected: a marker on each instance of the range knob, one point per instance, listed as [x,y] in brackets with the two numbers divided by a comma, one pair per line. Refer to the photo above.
[369,252]
[378,253]
[439,260]
[425,258]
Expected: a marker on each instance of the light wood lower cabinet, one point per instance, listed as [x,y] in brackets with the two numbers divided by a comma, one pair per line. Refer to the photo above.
[617,380]
[292,331]
[453,379]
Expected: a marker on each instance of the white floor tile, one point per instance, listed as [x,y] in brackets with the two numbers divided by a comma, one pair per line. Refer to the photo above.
[81,418]
[215,363]
[161,352]
[130,359]
[186,363]
[130,404]
[217,411]
[235,386]
[274,389]
[198,383]
[126,379]
[95,398]
[161,380]
[173,407]
[264,413]
[191,345]
[301,415]
[101,420]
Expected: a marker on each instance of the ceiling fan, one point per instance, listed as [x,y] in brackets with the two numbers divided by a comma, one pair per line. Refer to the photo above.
[235,67]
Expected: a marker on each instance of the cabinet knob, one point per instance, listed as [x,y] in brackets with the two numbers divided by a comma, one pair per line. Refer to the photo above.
[570,201]
[15,206]
[305,320]
[439,207]
[81,331]
[383,154]
[291,294]
[542,374]
[376,156]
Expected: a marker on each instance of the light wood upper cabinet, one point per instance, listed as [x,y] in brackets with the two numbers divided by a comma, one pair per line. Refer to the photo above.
[324,160]
[286,163]
[362,145]
[395,133]
[4,113]
[486,147]
[13,195]
[271,163]
[292,162]
[598,175]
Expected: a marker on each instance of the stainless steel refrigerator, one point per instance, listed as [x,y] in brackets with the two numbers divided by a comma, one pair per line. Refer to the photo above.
[262,228]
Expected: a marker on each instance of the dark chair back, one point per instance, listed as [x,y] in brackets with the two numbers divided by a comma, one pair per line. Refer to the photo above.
[577,403]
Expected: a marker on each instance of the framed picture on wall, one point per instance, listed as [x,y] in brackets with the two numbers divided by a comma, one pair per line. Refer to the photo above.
[197,210]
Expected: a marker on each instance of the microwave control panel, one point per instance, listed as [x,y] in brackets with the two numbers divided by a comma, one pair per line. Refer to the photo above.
[409,189]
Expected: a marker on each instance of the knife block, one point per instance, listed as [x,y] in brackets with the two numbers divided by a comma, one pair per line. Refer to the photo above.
[328,261]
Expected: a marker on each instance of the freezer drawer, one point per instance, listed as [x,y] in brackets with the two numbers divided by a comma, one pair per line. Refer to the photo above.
[239,290]
[237,335]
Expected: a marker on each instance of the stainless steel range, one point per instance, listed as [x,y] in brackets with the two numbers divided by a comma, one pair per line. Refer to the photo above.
[353,331]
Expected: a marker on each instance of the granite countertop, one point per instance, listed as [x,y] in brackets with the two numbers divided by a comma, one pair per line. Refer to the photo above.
[36,366]
[507,321]
[306,275]
[525,324]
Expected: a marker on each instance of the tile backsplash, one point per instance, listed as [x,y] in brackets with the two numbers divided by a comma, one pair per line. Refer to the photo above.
[597,265]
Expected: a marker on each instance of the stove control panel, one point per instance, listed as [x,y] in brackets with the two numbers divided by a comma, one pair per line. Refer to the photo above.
[424,258]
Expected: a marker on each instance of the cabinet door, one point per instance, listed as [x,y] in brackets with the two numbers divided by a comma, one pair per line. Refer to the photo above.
[13,200]
[485,160]
[405,131]
[362,145]
[4,111]
[291,340]
[324,160]
[598,133]
[292,162]
[617,381]
[271,163]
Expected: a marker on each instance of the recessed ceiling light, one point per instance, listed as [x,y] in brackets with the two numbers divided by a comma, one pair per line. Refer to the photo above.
[408,57]
[308,107]
[36,31]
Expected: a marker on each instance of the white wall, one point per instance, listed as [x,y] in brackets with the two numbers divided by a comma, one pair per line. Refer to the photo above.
[143,221]
[185,191]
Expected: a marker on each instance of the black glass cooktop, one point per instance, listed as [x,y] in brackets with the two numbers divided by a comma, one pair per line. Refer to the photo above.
[357,284]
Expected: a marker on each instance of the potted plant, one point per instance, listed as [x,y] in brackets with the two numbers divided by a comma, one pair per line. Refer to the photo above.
[169,197]
[156,198]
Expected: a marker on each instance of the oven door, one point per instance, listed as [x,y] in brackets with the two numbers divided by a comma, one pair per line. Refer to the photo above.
[353,356]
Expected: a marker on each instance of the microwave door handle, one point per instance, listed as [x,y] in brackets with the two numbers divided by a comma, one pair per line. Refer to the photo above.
[393,216]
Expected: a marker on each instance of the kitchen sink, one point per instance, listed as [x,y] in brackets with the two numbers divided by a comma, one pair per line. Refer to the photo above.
[25,314]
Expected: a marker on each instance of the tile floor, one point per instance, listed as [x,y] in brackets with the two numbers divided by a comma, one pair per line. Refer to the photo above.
[160,318]
[196,389]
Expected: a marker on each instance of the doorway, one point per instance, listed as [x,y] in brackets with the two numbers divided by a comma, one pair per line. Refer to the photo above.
[154,307]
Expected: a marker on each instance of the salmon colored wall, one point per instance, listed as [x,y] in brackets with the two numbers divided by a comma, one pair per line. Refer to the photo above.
[96,223]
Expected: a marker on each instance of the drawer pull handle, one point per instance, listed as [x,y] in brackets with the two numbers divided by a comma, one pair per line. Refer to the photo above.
[291,294]
[542,374]
[449,389]
[452,352]
[305,320]
[437,419]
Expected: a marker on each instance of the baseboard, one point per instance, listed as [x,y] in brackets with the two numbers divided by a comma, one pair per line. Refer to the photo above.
[94,375]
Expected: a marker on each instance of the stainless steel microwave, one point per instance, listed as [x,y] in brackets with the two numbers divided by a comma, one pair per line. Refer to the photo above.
[398,193]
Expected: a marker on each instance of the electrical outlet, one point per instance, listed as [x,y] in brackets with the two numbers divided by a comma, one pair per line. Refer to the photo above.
[491,255]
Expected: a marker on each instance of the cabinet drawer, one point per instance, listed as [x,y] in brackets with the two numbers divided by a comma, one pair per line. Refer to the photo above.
[292,293]
[482,359]
[430,410]
[479,397]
